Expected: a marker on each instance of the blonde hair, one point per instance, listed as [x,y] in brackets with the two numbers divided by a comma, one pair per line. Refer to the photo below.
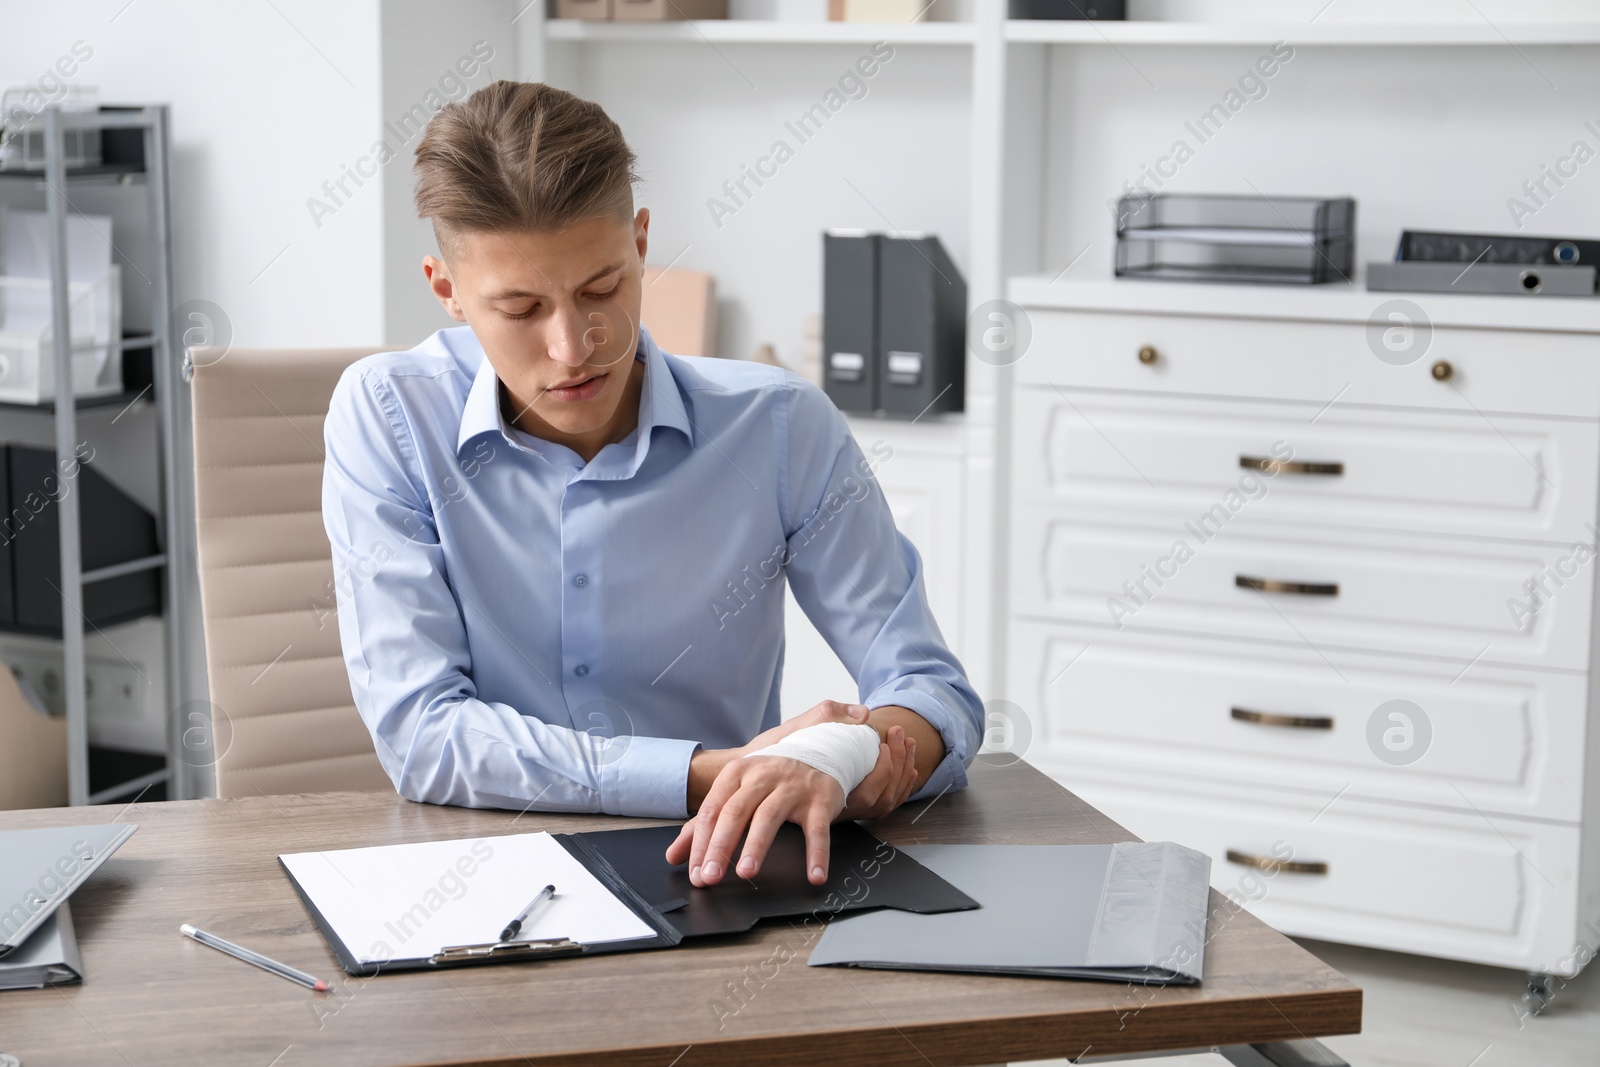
[520,156]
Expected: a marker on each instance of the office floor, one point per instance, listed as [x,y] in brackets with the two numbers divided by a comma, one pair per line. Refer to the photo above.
[1422,1012]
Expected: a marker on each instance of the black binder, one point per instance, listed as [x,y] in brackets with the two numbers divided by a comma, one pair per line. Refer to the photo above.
[850,319]
[922,328]
[864,872]
[1490,248]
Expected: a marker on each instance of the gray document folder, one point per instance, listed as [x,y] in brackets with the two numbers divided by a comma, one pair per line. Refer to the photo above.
[49,957]
[40,868]
[1132,911]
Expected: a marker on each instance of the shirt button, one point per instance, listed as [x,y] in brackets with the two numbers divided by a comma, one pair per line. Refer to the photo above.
[581,580]
[581,670]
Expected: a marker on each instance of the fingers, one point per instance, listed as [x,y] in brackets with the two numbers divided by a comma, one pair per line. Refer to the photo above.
[832,711]
[710,815]
[817,843]
[678,851]
[752,799]
[883,776]
[837,711]
[909,784]
[763,829]
[891,782]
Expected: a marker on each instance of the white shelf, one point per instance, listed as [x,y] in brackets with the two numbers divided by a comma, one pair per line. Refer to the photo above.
[754,31]
[1303,34]
[1324,303]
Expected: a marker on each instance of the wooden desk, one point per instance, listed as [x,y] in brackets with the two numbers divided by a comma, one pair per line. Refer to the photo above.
[153,997]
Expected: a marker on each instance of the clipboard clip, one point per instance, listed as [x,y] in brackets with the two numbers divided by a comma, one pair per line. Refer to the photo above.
[507,950]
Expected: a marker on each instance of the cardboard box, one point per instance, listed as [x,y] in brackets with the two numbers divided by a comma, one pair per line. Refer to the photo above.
[667,10]
[680,310]
[884,10]
[583,9]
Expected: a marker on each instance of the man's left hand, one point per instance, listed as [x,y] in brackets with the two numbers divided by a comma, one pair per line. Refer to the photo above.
[762,793]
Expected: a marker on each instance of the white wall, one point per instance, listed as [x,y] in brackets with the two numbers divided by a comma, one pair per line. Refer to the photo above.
[265,108]
[695,115]
[425,47]
[267,104]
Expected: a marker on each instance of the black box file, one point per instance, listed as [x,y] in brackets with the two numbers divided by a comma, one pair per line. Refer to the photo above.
[893,325]
[850,319]
[922,329]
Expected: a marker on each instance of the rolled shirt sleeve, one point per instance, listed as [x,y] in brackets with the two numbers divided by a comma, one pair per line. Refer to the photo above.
[860,581]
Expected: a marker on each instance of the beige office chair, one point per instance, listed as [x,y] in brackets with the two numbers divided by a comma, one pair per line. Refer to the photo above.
[284,719]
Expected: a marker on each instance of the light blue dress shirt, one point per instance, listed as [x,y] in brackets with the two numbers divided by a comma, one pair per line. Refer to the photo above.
[526,630]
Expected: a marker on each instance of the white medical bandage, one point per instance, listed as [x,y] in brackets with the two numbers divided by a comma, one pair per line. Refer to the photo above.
[845,752]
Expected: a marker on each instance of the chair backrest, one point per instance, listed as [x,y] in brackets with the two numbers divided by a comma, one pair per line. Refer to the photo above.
[283,717]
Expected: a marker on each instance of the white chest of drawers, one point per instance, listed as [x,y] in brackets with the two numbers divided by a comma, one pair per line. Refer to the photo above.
[1288,580]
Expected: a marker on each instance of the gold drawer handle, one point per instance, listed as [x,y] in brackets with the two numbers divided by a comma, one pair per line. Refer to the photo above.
[1273,585]
[1279,466]
[1272,865]
[1299,722]
[1148,355]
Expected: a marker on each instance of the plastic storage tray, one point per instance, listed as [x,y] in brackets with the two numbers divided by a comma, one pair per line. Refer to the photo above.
[27,349]
[22,129]
[1222,238]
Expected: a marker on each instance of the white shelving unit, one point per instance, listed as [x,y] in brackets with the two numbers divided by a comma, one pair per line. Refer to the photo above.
[749,31]
[1038,125]
[1025,31]
[1398,34]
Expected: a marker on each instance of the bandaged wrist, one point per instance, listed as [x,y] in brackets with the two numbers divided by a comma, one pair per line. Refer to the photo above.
[845,752]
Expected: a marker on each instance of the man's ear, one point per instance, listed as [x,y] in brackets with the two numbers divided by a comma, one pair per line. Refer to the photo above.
[438,275]
[641,231]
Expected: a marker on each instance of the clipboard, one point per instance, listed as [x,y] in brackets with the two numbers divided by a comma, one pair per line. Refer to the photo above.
[630,867]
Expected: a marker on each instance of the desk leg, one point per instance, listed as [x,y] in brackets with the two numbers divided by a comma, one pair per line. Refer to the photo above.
[1271,1054]
[1282,1054]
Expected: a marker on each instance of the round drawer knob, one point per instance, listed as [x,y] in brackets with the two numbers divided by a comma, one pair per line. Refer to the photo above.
[1443,371]
[1148,355]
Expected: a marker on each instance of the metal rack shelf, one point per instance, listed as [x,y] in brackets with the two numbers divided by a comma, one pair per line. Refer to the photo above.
[166,391]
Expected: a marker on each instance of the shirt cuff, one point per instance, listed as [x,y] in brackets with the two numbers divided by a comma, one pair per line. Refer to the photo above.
[951,773]
[646,777]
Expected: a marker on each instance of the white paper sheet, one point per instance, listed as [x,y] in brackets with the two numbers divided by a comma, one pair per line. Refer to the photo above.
[410,901]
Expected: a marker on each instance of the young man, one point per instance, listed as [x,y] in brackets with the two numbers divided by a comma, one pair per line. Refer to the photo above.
[562,552]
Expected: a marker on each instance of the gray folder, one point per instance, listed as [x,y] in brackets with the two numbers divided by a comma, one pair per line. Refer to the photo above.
[1509,279]
[49,957]
[40,868]
[1134,911]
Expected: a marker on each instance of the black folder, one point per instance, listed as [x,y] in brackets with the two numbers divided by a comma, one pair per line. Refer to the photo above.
[922,328]
[850,319]
[863,872]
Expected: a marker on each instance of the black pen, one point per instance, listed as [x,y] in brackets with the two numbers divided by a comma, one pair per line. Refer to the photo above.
[514,927]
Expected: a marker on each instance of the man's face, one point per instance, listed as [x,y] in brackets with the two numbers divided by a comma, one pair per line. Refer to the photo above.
[557,314]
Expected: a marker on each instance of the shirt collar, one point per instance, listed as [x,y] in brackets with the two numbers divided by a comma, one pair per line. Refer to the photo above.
[660,401]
